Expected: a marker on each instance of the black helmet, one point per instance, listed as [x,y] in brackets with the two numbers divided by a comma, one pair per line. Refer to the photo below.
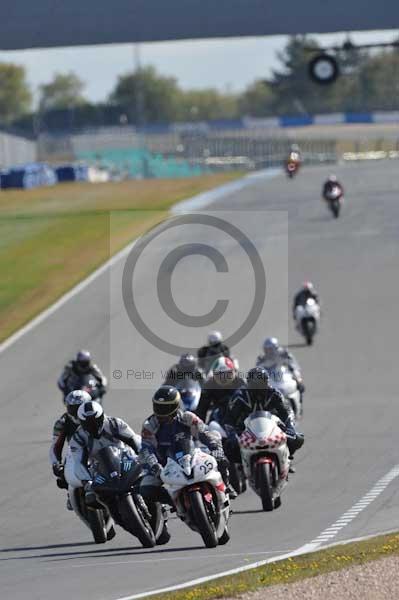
[258,378]
[166,401]
[187,362]
[91,417]
[83,360]
[73,401]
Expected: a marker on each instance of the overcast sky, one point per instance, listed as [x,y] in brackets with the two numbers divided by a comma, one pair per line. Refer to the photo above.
[223,63]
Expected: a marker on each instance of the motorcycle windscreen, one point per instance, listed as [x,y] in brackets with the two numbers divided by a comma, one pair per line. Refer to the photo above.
[260,423]
[107,461]
[115,470]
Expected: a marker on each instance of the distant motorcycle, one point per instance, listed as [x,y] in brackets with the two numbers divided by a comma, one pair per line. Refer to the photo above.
[198,493]
[265,457]
[292,165]
[86,382]
[335,199]
[307,318]
[282,379]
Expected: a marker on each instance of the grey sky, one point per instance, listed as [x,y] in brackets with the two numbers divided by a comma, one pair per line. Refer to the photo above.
[222,63]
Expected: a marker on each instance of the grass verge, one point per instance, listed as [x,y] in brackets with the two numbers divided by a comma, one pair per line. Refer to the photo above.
[52,238]
[291,569]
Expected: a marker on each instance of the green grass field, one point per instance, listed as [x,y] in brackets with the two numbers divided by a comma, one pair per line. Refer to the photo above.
[290,570]
[51,238]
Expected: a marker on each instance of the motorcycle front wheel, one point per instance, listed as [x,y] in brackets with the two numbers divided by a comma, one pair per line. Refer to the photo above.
[201,518]
[97,525]
[134,522]
[264,481]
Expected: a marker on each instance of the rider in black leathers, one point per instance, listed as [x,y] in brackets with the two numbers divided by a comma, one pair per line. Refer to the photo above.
[215,348]
[329,185]
[219,389]
[82,365]
[307,291]
[185,369]
[259,395]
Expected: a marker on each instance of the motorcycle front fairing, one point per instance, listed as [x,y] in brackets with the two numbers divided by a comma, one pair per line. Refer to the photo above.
[115,470]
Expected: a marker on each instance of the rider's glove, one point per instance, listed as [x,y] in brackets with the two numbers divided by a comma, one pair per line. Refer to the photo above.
[217,452]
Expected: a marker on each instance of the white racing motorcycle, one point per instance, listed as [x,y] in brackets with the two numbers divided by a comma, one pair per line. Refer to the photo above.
[307,318]
[282,379]
[198,492]
[335,200]
[265,457]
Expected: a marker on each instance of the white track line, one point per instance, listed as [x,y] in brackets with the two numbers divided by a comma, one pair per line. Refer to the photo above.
[330,533]
[195,203]
[326,536]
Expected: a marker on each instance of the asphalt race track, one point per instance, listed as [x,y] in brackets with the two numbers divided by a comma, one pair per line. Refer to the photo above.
[351,410]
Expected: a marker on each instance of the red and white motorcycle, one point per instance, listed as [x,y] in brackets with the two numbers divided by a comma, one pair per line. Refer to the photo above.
[265,457]
[199,494]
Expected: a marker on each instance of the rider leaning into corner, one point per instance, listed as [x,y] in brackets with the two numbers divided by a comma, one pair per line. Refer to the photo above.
[63,430]
[96,431]
[215,348]
[163,431]
[307,291]
[328,186]
[219,389]
[81,365]
[258,394]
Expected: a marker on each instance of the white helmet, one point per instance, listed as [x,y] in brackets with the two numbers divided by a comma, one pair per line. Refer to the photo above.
[91,417]
[214,337]
[224,371]
[271,342]
[73,401]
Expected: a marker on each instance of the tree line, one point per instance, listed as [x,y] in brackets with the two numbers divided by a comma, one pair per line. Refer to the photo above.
[369,82]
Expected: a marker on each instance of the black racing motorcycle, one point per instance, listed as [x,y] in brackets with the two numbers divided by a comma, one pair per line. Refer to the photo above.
[116,474]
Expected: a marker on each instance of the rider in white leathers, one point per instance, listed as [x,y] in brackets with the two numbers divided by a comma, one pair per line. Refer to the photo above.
[97,431]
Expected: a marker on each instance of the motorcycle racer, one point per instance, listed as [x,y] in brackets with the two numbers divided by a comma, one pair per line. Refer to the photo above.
[219,389]
[258,394]
[63,430]
[81,365]
[307,291]
[215,348]
[164,430]
[328,186]
[275,355]
[97,431]
[186,368]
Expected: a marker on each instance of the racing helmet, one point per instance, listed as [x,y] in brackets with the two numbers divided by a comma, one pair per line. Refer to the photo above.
[83,361]
[224,371]
[91,417]
[258,379]
[73,401]
[166,402]
[214,338]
